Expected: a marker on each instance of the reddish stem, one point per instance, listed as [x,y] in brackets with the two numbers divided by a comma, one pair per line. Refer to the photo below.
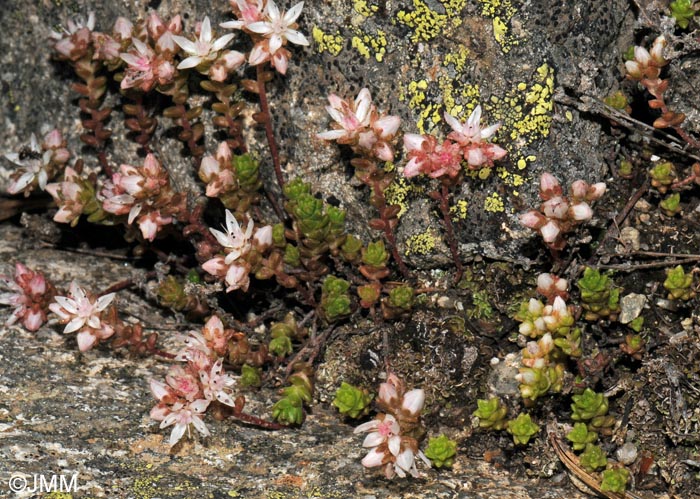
[449,229]
[267,121]
[380,204]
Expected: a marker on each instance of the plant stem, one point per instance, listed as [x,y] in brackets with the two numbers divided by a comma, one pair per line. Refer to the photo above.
[267,122]
[450,232]
[380,204]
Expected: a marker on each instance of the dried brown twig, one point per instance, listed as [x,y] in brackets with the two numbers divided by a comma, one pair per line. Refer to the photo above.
[570,461]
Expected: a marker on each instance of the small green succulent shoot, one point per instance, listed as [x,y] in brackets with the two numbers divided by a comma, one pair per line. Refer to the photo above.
[671,205]
[683,12]
[288,411]
[351,249]
[636,324]
[278,237]
[663,175]
[352,401]
[171,293]
[588,405]
[522,428]
[281,346]
[375,255]
[335,301]
[617,100]
[679,284]
[599,296]
[593,458]
[247,172]
[250,376]
[401,297]
[580,437]
[491,413]
[615,480]
[295,188]
[441,451]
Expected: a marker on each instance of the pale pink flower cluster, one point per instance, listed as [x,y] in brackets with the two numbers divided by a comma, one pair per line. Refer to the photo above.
[467,141]
[74,41]
[144,194]
[559,214]
[29,293]
[189,389]
[552,286]
[70,195]
[647,65]
[38,163]
[85,314]
[546,318]
[237,245]
[207,54]
[270,30]
[217,171]
[360,125]
[150,62]
[389,440]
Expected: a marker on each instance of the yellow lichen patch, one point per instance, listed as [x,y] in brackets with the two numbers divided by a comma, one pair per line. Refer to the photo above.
[494,203]
[369,45]
[458,211]
[428,23]
[458,59]
[459,100]
[501,12]
[327,42]
[526,114]
[421,244]
[398,191]
[363,9]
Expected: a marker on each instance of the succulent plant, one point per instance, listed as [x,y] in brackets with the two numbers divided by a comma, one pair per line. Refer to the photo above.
[593,457]
[615,480]
[290,408]
[671,205]
[522,428]
[250,376]
[335,300]
[441,451]
[599,296]
[679,284]
[683,12]
[592,407]
[662,176]
[352,401]
[491,413]
[580,437]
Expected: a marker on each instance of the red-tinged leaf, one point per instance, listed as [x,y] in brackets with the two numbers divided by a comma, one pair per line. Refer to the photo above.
[656,104]
[89,139]
[377,224]
[81,89]
[250,85]
[660,123]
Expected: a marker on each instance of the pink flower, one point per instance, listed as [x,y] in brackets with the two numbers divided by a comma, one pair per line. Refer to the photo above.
[428,157]
[247,12]
[83,314]
[204,50]
[473,140]
[215,384]
[279,28]
[28,293]
[235,241]
[351,117]
[183,382]
[68,195]
[163,34]
[182,416]
[74,42]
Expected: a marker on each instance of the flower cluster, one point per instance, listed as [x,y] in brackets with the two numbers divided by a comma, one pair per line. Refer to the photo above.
[144,194]
[29,293]
[538,319]
[467,141]
[392,434]
[191,388]
[242,250]
[360,125]
[270,30]
[74,195]
[88,315]
[558,214]
[38,163]
[150,62]
[647,65]
[551,287]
